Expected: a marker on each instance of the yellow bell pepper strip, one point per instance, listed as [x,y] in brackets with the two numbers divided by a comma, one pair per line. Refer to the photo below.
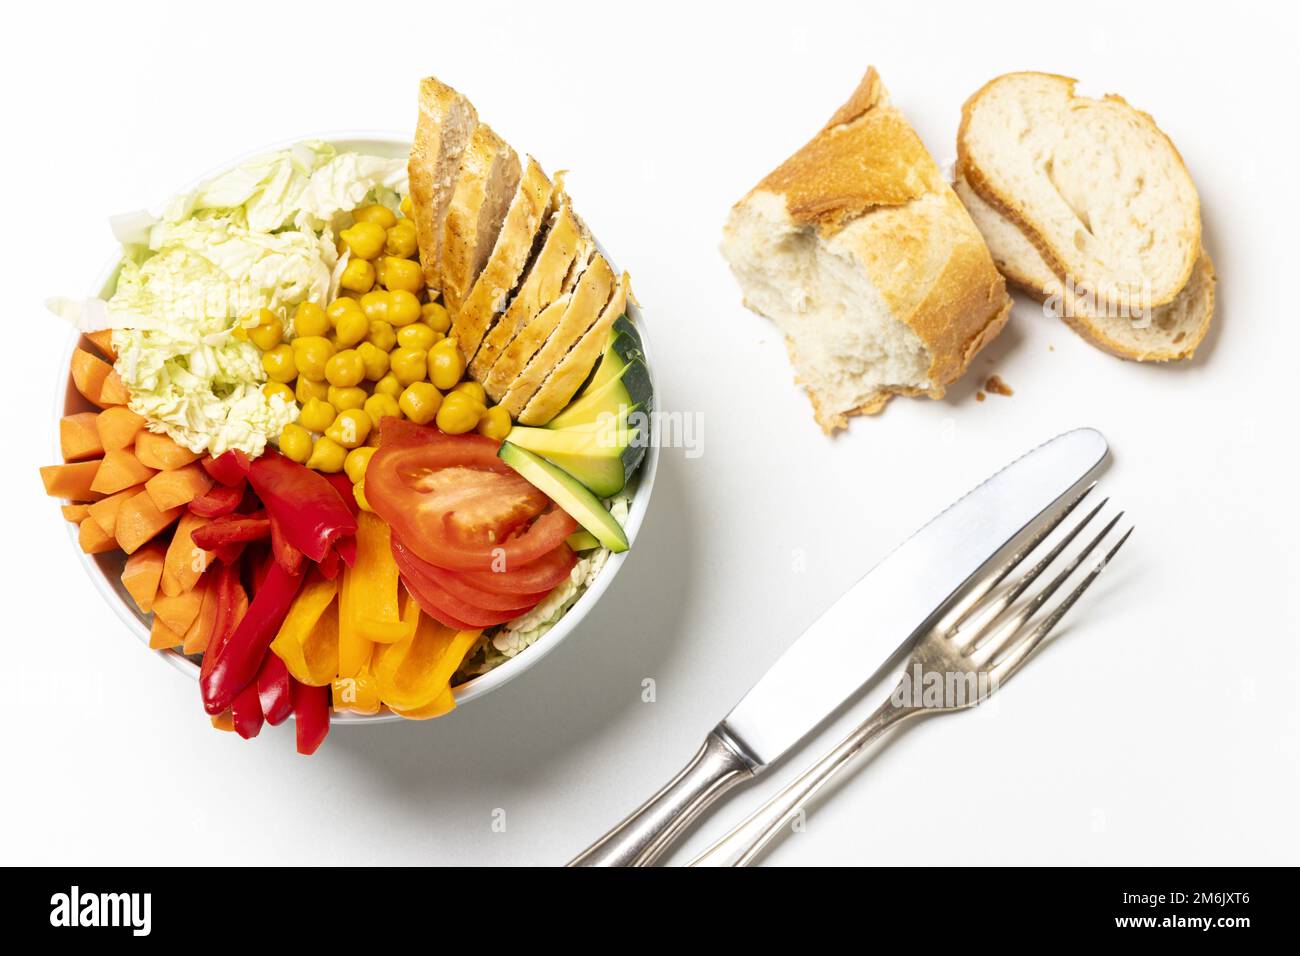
[308,640]
[412,673]
[356,695]
[373,588]
[354,646]
[444,703]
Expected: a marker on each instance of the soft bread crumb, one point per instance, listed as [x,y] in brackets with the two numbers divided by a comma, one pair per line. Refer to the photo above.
[995,386]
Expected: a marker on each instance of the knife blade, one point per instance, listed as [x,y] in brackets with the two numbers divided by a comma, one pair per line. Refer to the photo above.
[886,609]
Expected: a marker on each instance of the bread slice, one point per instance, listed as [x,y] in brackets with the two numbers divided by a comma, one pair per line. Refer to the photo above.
[572,370]
[589,297]
[445,124]
[860,252]
[491,291]
[489,174]
[1162,334]
[566,240]
[1097,188]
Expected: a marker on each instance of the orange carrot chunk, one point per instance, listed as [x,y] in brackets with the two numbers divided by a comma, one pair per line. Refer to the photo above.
[118,427]
[139,520]
[75,513]
[179,487]
[185,561]
[160,452]
[79,437]
[142,573]
[178,611]
[162,637]
[105,511]
[73,482]
[103,340]
[92,539]
[120,469]
[89,375]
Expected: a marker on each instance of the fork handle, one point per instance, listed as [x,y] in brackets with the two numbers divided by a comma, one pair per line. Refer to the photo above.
[651,829]
[741,845]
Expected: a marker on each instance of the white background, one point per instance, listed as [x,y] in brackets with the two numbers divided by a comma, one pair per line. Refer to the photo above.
[1162,727]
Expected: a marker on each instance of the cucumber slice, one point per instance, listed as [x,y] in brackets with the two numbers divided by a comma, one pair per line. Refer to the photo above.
[567,492]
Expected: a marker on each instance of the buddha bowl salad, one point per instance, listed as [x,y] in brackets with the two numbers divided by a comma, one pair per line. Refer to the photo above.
[352,437]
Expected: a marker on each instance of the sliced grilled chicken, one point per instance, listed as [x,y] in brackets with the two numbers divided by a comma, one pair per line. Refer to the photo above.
[487,300]
[572,370]
[566,240]
[446,122]
[589,298]
[489,174]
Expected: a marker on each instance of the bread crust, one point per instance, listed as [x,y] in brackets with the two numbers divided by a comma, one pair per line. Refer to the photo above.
[870,190]
[1014,211]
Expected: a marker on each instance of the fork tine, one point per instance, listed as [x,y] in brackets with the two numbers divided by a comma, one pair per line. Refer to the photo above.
[1010,631]
[970,602]
[1005,668]
[993,612]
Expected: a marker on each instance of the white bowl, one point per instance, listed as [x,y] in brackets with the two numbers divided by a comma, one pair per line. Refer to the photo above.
[105,570]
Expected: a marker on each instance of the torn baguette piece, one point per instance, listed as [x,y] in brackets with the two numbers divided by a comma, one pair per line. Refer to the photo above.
[860,252]
[1161,334]
[488,298]
[485,185]
[1094,185]
[445,124]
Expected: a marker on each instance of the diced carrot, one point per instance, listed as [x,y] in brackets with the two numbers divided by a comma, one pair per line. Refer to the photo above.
[142,573]
[139,520]
[92,539]
[159,451]
[89,374]
[73,482]
[75,513]
[178,611]
[105,511]
[179,487]
[162,637]
[185,561]
[113,391]
[118,427]
[103,340]
[200,632]
[78,436]
[121,469]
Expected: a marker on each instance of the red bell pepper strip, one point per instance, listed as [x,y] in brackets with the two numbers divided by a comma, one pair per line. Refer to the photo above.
[218,500]
[311,711]
[229,468]
[343,485]
[246,712]
[309,510]
[284,553]
[230,553]
[232,529]
[347,549]
[329,568]
[273,689]
[228,594]
[238,659]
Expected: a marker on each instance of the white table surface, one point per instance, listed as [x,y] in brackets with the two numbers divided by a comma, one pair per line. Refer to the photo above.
[1164,725]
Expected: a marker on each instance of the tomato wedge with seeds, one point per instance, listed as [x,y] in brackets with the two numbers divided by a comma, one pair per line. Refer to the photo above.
[456,505]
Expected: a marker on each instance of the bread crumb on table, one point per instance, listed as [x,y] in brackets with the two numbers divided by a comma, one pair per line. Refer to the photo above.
[996,386]
[979,396]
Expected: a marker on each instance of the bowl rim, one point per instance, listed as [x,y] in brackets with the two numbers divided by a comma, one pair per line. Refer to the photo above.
[474,688]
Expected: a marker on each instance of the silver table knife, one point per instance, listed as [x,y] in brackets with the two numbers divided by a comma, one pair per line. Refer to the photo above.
[900,597]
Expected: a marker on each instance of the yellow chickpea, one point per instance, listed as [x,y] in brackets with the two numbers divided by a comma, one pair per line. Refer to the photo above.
[406,207]
[272,389]
[408,365]
[359,494]
[390,386]
[474,390]
[417,335]
[403,307]
[356,463]
[401,274]
[420,401]
[317,415]
[381,335]
[310,353]
[435,316]
[345,368]
[495,423]
[352,328]
[401,241]
[446,365]
[459,413]
[375,304]
[278,363]
[341,307]
[379,214]
[346,398]
[358,276]
[295,443]
[265,329]
[350,428]
[310,319]
[306,389]
[365,240]
[327,455]
[380,406]
[374,359]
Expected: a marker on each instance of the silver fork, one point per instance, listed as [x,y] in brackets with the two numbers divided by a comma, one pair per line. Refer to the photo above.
[975,648]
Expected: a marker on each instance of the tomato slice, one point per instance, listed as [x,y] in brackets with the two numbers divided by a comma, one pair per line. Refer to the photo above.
[454,584]
[438,602]
[540,575]
[455,504]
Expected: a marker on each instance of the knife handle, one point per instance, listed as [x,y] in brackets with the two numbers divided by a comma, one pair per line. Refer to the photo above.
[655,825]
